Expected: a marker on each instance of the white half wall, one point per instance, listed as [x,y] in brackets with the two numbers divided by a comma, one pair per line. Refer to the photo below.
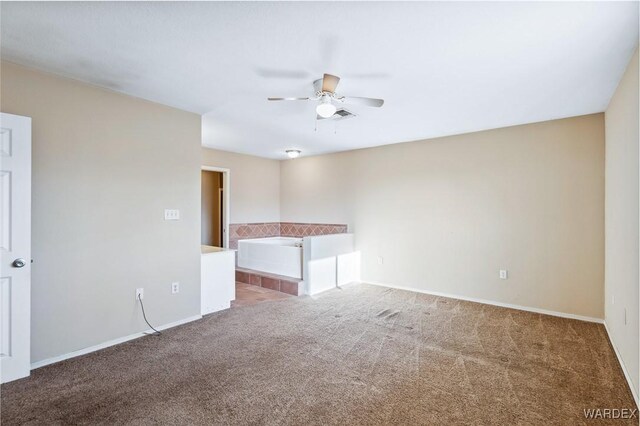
[329,261]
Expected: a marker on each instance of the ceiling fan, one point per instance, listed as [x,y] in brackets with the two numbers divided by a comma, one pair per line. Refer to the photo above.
[325,92]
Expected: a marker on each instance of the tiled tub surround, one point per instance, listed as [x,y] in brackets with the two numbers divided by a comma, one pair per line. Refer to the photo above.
[300,230]
[273,282]
[240,231]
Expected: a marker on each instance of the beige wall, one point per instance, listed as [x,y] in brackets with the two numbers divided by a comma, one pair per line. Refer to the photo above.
[105,166]
[440,215]
[210,208]
[446,214]
[621,224]
[255,185]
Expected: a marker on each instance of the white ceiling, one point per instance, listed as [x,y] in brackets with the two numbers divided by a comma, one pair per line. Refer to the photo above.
[442,68]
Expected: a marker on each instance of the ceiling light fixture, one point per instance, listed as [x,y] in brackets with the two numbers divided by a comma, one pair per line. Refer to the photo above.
[293,153]
[326,109]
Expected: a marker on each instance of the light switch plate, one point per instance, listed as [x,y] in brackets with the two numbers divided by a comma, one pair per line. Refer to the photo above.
[503,274]
[171,214]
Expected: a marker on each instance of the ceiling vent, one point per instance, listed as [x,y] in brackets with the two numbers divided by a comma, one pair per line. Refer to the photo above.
[339,115]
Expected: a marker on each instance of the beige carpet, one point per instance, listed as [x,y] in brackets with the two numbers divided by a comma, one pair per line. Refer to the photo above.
[360,355]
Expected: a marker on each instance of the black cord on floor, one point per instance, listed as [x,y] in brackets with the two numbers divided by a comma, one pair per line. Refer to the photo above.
[157,333]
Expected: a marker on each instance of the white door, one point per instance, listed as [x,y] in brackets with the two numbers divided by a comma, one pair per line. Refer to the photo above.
[15,247]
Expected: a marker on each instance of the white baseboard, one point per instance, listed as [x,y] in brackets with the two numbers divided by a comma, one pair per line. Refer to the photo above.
[113,342]
[624,369]
[491,302]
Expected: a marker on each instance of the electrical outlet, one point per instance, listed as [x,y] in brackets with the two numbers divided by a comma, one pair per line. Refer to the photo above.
[139,293]
[504,274]
[380,260]
[171,214]
[175,288]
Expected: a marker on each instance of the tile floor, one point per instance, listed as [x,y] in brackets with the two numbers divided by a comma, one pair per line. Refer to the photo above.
[247,294]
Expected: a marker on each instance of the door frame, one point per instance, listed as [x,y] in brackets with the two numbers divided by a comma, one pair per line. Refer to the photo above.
[226,189]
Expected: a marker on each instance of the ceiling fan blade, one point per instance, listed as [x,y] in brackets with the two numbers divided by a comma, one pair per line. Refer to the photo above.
[289,99]
[329,83]
[355,100]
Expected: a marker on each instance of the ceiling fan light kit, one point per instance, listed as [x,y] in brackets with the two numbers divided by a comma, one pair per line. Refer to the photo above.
[325,92]
[326,109]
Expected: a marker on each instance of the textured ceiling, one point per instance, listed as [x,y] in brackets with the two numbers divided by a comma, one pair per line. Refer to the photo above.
[442,68]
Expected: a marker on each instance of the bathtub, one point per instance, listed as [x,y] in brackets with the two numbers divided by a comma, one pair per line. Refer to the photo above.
[275,255]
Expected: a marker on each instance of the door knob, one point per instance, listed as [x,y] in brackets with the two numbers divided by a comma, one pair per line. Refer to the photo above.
[18,263]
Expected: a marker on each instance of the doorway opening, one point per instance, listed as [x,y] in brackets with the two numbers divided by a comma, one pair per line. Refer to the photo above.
[214,207]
